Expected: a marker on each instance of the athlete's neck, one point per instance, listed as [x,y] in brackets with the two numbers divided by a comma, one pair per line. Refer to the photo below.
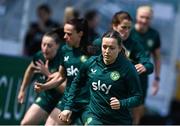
[141,29]
[77,44]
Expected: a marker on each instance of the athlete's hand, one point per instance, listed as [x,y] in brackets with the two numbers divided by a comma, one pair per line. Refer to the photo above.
[53,75]
[21,97]
[140,68]
[38,87]
[115,104]
[155,87]
[42,68]
[65,115]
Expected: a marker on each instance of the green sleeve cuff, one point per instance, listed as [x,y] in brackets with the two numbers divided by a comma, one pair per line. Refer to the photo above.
[149,68]
[122,104]
[130,102]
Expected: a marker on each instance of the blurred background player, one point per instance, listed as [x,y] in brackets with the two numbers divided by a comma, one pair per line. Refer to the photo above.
[70,13]
[150,40]
[92,17]
[44,64]
[33,37]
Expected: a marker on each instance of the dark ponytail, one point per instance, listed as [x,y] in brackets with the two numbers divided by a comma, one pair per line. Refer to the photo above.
[57,34]
[123,51]
[81,25]
[85,40]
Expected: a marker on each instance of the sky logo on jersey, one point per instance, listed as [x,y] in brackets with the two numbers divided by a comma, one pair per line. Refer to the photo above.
[101,87]
[150,42]
[115,75]
[72,71]
[66,58]
[93,71]
[83,58]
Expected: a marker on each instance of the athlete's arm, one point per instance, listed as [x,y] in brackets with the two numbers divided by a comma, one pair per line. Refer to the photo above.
[144,65]
[76,85]
[26,80]
[57,79]
[73,90]
[134,90]
[79,81]
[61,88]
[157,66]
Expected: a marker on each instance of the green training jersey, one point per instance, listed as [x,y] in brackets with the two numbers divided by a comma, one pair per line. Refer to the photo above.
[72,59]
[53,66]
[119,80]
[150,40]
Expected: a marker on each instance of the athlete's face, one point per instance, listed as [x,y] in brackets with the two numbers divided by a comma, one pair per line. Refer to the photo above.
[49,47]
[43,15]
[123,28]
[143,18]
[110,50]
[71,36]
